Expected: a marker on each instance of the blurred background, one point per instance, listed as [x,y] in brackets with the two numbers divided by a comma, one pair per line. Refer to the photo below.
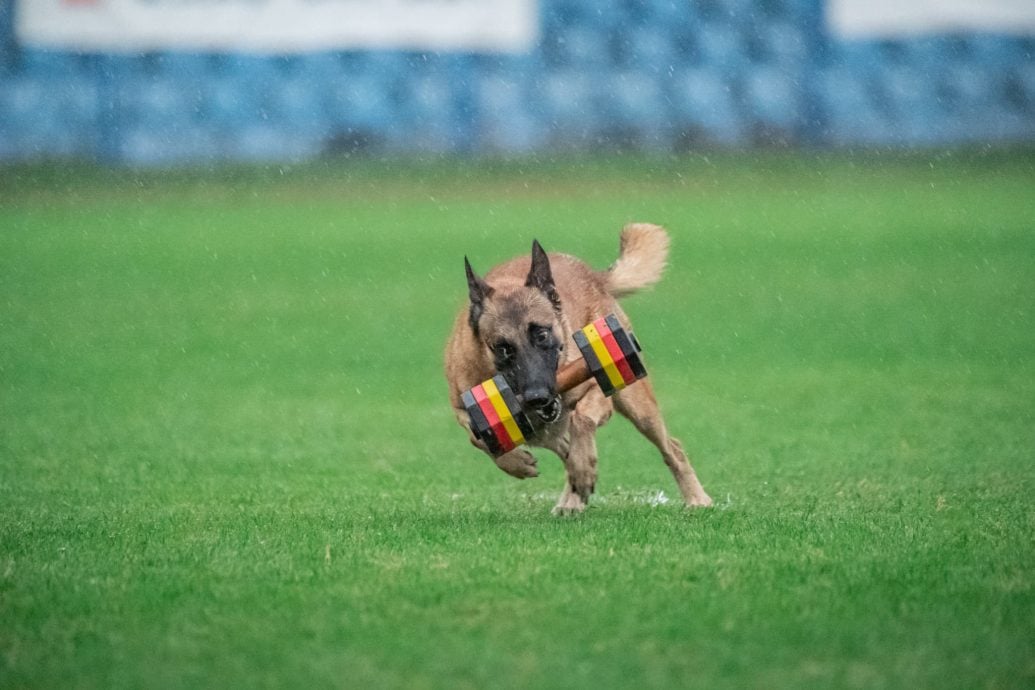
[166,82]
[227,457]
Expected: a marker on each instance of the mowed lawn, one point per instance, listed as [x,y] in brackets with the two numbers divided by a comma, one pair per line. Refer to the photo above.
[227,457]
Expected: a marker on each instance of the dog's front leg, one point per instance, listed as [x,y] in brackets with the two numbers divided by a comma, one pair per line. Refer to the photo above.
[517,463]
[580,464]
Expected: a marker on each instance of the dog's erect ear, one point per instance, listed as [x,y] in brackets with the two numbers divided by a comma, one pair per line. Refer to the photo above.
[540,276]
[478,291]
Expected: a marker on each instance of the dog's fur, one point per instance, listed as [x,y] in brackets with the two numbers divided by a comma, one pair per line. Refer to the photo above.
[519,323]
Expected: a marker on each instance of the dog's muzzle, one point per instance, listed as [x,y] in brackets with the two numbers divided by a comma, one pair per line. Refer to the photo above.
[551,411]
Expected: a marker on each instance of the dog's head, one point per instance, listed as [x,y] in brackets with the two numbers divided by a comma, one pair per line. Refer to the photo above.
[520,327]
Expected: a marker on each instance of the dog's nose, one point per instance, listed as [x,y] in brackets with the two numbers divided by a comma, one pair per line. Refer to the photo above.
[537,397]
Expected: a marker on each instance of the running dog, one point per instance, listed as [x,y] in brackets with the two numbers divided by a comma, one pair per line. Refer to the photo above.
[519,323]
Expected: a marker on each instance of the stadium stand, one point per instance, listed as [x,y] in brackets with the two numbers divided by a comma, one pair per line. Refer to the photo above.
[614,74]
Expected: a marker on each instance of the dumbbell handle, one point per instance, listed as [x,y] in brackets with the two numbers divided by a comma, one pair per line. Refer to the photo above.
[572,374]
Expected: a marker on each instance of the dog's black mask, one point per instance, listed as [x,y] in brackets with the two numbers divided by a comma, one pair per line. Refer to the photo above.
[530,367]
[520,328]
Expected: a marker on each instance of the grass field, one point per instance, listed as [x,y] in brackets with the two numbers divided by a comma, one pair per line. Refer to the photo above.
[227,458]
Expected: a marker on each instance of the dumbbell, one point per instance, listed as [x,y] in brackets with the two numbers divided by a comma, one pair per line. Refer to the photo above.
[610,355]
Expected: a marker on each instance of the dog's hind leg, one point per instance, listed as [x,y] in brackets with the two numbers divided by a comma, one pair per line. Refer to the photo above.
[580,463]
[638,404]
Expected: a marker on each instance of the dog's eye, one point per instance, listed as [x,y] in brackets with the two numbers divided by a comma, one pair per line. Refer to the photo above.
[503,351]
[541,337]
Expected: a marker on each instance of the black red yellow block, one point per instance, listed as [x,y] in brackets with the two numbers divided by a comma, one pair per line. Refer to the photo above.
[611,354]
[496,416]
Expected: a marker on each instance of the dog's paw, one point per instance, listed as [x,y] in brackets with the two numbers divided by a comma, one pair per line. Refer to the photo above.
[570,503]
[583,482]
[518,463]
[701,500]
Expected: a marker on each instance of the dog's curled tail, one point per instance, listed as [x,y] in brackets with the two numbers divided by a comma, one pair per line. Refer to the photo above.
[641,261]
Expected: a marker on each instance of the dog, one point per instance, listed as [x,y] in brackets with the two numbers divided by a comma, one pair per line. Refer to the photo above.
[519,322]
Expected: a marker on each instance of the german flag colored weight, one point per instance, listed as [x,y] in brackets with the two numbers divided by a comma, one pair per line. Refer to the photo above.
[496,417]
[610,355]
[612,365]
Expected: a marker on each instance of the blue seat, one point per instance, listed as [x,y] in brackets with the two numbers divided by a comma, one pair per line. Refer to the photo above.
[45,131]
[650,49]
[997,50]
[497,94]
[798,10]
[603,15]
[22,98]
[388,65]
[258,71]
[522,67]
[720,46]
[570,99]
[78,100]
[636,99]
[860,55]
[227,102]
[190,66]
[298,100]
[21,107]
[913,104]
[1024,77]
[261,142]
[773,98]
[843,91]
[909,90]
[255,142]
[431,95]
[735,11]
[54,138]
[361,101]
[970,86]
[559,14]
[703,99]
[784,44]
[851,105]
[146,146]
[664,14]
[53,116]
[55,63]
[513,132]
[585,48]
[320,67]
[934,53]
[429,113]
[159,102]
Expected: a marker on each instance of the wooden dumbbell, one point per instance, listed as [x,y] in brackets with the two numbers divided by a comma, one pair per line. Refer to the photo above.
[610,355]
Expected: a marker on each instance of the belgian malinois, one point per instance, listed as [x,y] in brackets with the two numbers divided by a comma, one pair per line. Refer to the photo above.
[519,324]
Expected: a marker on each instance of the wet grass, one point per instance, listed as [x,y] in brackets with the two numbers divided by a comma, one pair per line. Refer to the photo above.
[226,456]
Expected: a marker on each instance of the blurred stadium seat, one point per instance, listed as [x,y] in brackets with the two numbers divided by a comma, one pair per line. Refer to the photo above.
[614,73]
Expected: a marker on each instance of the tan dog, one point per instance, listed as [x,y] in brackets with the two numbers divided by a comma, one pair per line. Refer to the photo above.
[519,324]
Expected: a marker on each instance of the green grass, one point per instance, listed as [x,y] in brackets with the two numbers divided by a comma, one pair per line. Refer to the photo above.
[227,458]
